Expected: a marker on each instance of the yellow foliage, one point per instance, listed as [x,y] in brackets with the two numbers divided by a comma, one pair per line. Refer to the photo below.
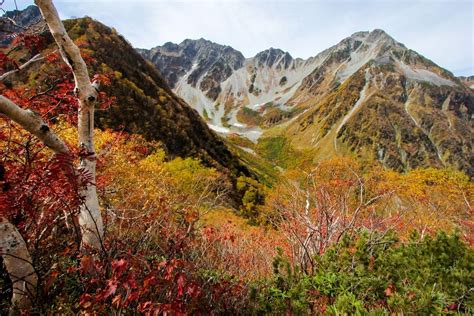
[428,199]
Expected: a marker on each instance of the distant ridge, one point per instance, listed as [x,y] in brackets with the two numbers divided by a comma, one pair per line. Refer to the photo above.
[368,96]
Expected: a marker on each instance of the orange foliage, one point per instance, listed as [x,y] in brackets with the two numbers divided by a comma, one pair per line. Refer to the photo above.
[314,208]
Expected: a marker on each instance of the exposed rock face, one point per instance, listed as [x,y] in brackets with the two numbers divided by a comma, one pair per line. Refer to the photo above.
[271,57]
[368,95]
[467,81]
[17,21]
[204,63]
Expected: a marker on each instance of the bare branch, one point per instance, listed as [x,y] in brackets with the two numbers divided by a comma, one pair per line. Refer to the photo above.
[22,67]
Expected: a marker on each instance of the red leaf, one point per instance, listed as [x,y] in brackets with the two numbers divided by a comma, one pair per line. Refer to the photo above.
[181,280]
[150,281]
[50,280]
[389,290]
[119,265]
[85,301]
[453,307]
[193,290]
[111,288]
[117,300]
[87,265]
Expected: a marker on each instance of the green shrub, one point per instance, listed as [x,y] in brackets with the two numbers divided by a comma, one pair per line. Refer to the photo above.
[372,273]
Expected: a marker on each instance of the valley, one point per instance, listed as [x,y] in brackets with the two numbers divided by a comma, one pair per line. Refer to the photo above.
[252,97]
[189,179]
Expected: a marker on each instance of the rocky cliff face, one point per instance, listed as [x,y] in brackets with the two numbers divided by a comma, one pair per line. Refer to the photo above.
[368,96]
[16,21]
[204,64]
[144,104]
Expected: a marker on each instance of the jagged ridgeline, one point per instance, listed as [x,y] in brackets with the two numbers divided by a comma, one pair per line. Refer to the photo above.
[368,97]
[144,103]
[23,18]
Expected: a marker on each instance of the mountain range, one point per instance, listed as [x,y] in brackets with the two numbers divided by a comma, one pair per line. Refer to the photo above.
[368,96]
[144,103]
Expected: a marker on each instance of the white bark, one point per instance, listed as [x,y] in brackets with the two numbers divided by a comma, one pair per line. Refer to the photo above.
[90,218]
[13,248]
[22,67]
[33,123]
[18,263]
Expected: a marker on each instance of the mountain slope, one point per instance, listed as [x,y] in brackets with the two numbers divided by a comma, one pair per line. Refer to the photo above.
[368,96]
[16,21]
[388,104]
[144,103]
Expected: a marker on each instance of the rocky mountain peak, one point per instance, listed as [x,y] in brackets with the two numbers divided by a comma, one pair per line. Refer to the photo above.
[169,46]
[205,63]
[273,57]
[378,33]
[360,34]
[18,21]
[25,17]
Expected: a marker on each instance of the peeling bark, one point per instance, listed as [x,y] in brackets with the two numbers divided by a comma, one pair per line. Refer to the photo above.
[18,263]
[90,219]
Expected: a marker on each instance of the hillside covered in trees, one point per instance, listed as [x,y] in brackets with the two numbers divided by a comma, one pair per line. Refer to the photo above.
[187,223]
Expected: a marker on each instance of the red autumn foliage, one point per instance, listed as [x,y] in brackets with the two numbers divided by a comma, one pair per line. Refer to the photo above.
[34,43]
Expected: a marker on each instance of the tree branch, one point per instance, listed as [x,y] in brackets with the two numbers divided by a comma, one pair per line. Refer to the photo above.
[90,218]
[33,123]
[69,52]
[22,67]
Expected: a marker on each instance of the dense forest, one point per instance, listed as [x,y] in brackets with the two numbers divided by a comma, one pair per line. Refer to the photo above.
[188,223]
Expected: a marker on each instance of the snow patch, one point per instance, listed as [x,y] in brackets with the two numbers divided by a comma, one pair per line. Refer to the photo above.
[254,107]
[239,125]
[253,134]
[249,150]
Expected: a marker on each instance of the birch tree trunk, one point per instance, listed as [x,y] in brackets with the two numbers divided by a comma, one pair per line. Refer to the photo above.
[90,219]
[17,261]
[13,249]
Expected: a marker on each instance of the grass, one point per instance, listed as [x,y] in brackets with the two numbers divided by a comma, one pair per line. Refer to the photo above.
[262,169]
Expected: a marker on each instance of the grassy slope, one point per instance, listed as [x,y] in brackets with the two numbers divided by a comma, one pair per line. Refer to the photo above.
[381,131]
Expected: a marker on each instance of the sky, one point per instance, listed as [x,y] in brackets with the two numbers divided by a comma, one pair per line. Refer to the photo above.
[441,30]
